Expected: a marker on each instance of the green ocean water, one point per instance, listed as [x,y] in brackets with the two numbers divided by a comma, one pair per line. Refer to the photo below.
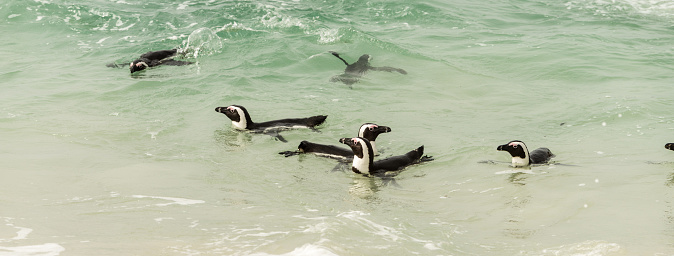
[96,161]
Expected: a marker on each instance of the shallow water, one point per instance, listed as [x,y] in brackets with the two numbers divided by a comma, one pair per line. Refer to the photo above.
[100,162]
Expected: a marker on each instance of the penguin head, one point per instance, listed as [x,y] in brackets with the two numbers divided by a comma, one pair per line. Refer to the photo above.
[238,115]
[370,131]
[362,154]
[669,146]
[519,152]
[303,146]
[364,58]
[360,146]
[137,65]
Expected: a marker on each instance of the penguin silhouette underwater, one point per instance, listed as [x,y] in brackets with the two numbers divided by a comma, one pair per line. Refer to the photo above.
[356,70]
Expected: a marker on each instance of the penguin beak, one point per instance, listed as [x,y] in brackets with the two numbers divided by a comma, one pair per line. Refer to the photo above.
[347,141]
[302,146]
[502,147]
[384,129]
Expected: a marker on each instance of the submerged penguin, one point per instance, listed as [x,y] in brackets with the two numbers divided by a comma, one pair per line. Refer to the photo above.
[363,158]
[242,121]
[153,59]
[355,70]
[522,157]
[669,146]
[368,131]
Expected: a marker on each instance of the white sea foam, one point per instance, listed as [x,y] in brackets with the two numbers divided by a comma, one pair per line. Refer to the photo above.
[304,250]
[102,40]
[48,249]
[276,20]
[124,28]
[328,35]
[387,233]
[586,248]
[175,200]
[183,5]
[607,8]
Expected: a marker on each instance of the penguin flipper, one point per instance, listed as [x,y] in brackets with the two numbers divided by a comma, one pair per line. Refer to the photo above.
[289,153]
[339,167]
[275,134]
[118,65]
[337,55]
[390,181]
[426,159]
[492,162]
[390,69]
[280,138]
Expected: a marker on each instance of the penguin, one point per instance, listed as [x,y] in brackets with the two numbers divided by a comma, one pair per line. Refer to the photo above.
[669,146]
[363,162]
[355,70]
[153,59]
[521,156]
[241,120]
[369,131]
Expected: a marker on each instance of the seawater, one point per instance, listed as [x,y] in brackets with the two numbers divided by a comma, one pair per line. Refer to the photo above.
[95,161]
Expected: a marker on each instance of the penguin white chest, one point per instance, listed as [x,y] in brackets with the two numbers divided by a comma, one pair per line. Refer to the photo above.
[241,125]
[362,164]
[520,162]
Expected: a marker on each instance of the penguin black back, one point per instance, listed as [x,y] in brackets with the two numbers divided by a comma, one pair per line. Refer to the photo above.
[156,58]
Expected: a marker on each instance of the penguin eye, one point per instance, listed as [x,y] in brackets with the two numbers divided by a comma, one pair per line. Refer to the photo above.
[371,128]
[515,146]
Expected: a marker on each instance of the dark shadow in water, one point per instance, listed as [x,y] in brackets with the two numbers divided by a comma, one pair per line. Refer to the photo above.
[518,178]
[515,224]
[230,138]
[669,202]
[231,135]
[670,180]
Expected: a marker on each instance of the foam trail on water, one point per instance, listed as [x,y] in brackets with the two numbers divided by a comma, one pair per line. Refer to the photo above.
[48,249]
[179,201]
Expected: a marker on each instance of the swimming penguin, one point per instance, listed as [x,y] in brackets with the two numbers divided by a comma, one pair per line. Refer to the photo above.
[669,146]
[363,162]
[355,70]
[242,121]
[368,131]
[152,59]
[521,156]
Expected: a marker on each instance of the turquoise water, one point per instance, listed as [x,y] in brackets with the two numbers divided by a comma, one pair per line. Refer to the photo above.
[96,161]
